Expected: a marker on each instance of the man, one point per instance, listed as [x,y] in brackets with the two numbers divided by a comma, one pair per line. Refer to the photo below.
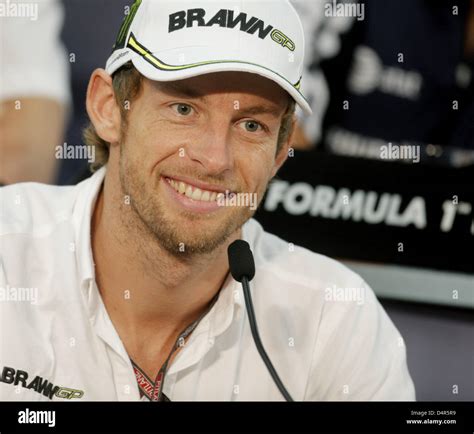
[134,299]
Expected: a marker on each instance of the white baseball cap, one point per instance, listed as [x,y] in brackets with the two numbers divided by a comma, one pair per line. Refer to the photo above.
[171,40]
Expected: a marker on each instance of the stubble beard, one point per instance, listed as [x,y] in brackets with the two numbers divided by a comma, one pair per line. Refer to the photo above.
[187,236]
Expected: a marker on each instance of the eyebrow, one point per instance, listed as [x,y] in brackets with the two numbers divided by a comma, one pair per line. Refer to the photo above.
[181,90]
[262,110]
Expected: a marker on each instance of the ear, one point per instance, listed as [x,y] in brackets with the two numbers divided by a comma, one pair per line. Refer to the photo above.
[283,152]
[102,107]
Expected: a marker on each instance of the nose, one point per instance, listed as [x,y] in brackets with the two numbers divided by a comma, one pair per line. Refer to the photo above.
[211,147]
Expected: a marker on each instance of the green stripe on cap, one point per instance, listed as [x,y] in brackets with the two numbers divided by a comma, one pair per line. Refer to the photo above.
[124,28]
[134,45]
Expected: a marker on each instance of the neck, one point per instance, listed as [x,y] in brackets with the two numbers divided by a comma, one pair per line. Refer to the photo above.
[144,287]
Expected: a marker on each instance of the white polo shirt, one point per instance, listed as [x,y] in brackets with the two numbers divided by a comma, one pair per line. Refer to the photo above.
[323,328]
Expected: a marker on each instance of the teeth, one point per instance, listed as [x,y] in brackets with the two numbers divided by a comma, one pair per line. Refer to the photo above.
[189,192]
[194,192]
[197,194]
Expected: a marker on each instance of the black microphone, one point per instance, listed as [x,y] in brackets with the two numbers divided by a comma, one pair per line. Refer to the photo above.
[242,268]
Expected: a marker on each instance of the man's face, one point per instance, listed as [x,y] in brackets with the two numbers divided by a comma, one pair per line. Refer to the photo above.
[216,132]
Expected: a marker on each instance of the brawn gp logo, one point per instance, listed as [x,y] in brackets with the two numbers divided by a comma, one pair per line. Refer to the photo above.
[16,377]
[226,18]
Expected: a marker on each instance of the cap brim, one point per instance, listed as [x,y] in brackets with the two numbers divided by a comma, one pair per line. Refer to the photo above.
[164,72]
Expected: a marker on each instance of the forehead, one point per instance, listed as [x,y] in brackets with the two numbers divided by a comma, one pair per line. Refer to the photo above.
[242,85]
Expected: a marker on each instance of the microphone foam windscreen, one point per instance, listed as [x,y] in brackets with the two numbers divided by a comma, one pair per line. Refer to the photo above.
[241,261]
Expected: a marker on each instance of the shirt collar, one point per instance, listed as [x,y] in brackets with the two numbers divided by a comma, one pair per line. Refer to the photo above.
[81,218]
[228,305]
[227,308]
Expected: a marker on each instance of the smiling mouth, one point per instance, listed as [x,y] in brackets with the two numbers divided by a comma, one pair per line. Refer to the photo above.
[197,194]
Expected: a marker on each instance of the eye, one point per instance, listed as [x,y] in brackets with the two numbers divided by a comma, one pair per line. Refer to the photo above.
[252,126]
[183,109]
